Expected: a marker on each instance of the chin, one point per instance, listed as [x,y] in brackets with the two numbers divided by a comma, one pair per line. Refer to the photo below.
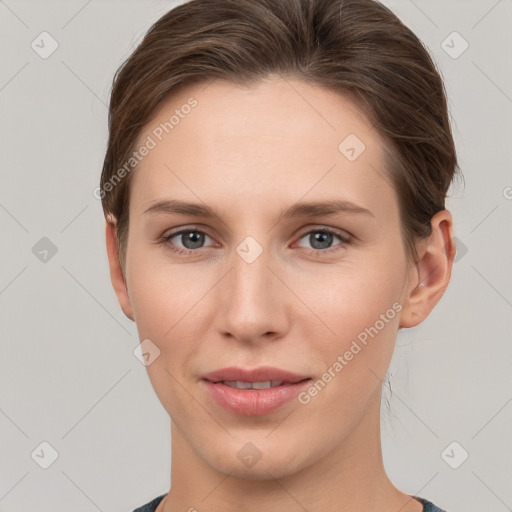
[276,464]
[261,472]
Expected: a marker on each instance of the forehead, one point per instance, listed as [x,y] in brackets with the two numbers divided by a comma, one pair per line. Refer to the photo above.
[281,139]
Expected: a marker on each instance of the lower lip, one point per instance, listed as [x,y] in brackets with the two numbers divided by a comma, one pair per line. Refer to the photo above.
[253,402]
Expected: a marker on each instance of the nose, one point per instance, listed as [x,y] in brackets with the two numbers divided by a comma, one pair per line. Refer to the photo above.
[253,303]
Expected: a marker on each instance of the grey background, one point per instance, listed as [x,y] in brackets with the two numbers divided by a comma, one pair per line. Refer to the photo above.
[68,375]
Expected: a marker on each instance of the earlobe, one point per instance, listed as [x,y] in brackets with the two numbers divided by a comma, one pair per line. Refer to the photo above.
[432,272]
[116,272]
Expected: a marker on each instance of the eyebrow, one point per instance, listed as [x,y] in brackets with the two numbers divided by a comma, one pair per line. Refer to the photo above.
[304,209]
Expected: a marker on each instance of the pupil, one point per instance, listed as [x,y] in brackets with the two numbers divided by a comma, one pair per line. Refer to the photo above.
[325,240]
[192,239]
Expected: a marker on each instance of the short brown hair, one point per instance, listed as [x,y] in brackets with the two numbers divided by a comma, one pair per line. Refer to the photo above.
[358,48]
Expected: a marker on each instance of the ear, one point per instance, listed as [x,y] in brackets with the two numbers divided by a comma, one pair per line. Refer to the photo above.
[116,273]
[431,274]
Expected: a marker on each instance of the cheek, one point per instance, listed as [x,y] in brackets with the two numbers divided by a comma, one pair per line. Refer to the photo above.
[172,305]
[358,310]
[160,293]
[163,302]
[362,310]
[349,299]
[152,299]
[169,320]
[159,299]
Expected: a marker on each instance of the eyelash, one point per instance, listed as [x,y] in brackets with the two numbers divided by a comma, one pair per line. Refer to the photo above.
[344,240]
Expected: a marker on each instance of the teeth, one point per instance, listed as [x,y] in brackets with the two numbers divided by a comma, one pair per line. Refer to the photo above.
[252,385]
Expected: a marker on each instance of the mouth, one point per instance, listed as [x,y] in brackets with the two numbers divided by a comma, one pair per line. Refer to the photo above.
[253,392]
[238,384]
[264,376]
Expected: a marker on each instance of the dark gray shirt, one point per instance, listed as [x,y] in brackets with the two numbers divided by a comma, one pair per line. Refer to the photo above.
[151,506]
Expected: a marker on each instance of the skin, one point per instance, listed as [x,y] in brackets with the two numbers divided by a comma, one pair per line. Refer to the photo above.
[249,153]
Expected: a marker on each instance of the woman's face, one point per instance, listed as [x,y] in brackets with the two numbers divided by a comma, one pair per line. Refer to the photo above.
[253,287]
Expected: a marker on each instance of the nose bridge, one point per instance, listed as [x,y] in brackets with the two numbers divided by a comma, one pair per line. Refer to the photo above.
[252,304]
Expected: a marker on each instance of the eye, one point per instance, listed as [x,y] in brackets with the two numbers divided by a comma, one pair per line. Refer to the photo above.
[189,238]
[322,239]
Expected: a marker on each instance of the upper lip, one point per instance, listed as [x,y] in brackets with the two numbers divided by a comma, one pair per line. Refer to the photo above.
[260,374]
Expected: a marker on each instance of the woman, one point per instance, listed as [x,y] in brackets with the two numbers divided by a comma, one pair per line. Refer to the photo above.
[274,188]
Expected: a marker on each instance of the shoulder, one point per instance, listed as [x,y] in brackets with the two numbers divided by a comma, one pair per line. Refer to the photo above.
[428,506]
[151,506]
